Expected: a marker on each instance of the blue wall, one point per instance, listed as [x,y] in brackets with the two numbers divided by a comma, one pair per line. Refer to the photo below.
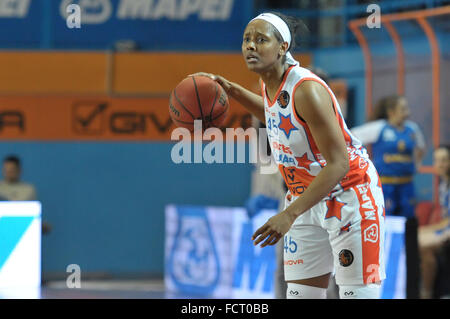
[106,201]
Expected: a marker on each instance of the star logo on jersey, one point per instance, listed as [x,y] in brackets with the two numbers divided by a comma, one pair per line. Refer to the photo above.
[303,161]
[286,124]
[334,208]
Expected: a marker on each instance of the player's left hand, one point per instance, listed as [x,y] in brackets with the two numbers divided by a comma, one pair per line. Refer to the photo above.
[274,229]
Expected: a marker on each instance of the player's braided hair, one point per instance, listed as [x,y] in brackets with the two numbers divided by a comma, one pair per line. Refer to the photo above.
[297,27]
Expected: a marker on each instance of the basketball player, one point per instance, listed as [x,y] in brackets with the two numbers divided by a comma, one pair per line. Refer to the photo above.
[398,146]
[334,213]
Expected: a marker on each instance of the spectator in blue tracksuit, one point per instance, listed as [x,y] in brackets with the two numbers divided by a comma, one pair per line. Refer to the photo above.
[398,147]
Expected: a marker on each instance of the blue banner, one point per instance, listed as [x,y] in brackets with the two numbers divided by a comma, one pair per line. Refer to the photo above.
[99,24]
[209,253]
[20,247]
[21,24]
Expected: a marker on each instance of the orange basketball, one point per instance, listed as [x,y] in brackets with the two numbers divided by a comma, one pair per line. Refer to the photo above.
[198,98]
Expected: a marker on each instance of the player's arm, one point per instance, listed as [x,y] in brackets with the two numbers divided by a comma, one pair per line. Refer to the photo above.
[313,103]
[419,153]
[368,133]
[251,101]
[419,149]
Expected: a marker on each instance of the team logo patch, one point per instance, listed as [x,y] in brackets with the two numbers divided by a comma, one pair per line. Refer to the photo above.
[401,146]
[362,163]
[371,233]
[283,99]
[349,293]
[345,258]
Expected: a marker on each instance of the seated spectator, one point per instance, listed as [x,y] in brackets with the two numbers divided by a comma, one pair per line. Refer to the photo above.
[442,167]
[11,187]
[434,238]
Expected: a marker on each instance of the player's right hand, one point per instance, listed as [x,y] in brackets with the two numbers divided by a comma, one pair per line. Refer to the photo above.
[224,83]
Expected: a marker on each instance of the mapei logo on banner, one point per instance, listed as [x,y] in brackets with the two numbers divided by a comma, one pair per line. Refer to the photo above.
[14,8]
[254,267]
[92,11]
[100,11]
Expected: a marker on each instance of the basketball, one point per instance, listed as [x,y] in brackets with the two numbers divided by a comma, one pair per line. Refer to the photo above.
[198,98]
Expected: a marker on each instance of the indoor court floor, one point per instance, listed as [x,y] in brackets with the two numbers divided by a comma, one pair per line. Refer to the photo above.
[104,289]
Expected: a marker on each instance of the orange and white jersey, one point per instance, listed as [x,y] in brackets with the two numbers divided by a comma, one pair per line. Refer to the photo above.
[293,147]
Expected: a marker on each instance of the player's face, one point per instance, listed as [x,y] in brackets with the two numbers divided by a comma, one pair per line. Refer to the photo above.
[11,172]
[441,161]
[400,112]
[260,48]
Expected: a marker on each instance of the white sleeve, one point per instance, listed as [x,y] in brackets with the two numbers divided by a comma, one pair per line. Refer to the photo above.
[368,133]
[418,135]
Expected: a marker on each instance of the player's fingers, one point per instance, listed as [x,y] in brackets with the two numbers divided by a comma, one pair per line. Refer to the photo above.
[275,240]
[212,76]
[219,78]
[262,237]
[198,74]
[257,237]
[268,241]
[259,231]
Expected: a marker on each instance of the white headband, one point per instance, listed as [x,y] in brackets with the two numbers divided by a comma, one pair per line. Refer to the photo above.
[283,29]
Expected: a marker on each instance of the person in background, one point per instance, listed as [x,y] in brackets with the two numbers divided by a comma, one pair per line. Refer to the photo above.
[11,187]
[434,238]
[442,168]
[398,147]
